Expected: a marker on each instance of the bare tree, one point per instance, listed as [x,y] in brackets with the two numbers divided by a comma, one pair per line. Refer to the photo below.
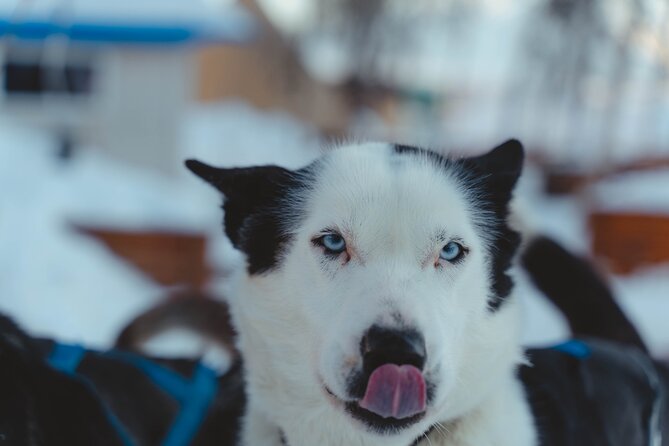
[567,44]
[375,33]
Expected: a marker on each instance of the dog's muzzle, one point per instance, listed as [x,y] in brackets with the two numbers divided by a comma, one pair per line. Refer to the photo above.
[391,389]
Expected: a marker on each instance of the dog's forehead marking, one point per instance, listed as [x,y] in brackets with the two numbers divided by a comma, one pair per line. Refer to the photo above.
[371,191]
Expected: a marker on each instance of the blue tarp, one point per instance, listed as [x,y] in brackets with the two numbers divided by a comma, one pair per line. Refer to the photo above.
[237,29]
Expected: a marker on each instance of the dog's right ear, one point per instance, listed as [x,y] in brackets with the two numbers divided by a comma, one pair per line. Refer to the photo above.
[252,195]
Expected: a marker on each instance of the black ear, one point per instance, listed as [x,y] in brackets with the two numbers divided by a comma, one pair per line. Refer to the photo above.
[212,175]
[236,180]
[500,168]
[254,201]
[507,158]
[494,175]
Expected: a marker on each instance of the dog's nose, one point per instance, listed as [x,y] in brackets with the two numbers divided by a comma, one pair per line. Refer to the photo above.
[381,346]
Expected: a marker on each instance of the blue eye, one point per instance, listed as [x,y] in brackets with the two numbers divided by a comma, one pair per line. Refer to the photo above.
[333,243]
[452,252]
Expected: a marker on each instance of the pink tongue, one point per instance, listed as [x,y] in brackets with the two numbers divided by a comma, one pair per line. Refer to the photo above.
[395,391]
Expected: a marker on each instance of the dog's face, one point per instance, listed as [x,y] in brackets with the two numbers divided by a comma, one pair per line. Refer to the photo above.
[376,282]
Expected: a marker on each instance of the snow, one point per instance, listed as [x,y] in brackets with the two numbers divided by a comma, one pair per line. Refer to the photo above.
[58,283]
[53,281]
[182,343]
[645,300]
[235,134]
[644,192]
[643,296]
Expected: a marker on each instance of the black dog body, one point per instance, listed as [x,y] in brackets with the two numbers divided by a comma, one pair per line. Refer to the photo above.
[107,400]
[596,393]
[40,406]
[603,388]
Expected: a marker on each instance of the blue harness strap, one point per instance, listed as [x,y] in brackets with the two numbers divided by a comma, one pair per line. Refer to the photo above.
[66,359]
[194,407]
[573,347]
[194,395]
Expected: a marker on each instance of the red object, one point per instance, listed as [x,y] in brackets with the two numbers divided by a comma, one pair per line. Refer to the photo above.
[169,258]
[628,241]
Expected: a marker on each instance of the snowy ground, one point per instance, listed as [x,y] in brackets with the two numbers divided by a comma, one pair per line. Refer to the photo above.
[58,283]
[644,295]
[61,284]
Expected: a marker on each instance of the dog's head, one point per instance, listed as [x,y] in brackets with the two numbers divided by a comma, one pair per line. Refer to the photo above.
[376,284]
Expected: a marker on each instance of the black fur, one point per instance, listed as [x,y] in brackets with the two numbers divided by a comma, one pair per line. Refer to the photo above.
[256,209]
[41,407]
[606,398]
[583,296]
[495,175]
[491,178]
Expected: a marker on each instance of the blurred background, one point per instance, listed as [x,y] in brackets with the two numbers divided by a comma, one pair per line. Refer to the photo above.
[102,100]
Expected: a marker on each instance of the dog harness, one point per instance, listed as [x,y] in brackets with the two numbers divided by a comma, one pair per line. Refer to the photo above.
[582,393]
[194,395]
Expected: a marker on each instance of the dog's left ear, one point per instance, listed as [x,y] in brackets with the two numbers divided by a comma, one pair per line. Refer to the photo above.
[500,168]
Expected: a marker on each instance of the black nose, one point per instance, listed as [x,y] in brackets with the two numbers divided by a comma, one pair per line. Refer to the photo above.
[381,346]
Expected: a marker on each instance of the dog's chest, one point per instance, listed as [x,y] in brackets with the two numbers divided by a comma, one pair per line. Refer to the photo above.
[504,419]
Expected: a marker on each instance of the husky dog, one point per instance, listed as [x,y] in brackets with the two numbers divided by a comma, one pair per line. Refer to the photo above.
[376,307]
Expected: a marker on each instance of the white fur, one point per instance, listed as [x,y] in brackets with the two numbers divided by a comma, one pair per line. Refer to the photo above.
[300,324]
